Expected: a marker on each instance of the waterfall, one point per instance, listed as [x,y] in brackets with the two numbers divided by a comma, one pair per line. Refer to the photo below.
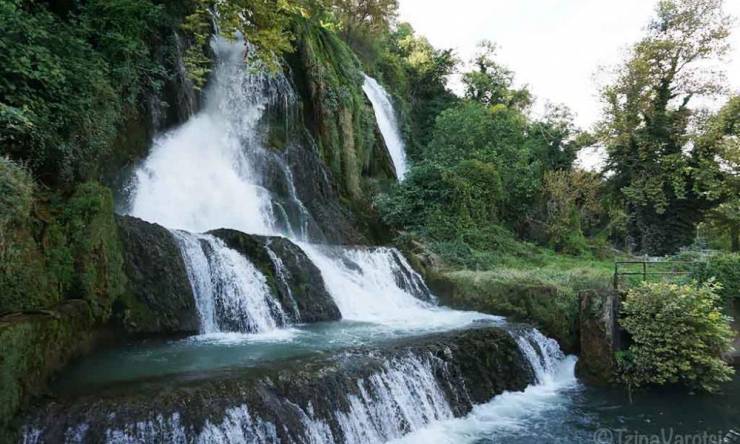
[230,293]
[209,173]
[404,397]
[388,124]
[283,276]
[507,413]
[371,284]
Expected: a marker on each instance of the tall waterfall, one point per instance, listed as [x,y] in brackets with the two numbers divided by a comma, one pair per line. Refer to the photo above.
[388,124]
[230,293]
[209,173]
[215,172]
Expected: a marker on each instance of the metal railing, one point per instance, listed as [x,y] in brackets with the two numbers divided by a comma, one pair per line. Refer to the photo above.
[643,269]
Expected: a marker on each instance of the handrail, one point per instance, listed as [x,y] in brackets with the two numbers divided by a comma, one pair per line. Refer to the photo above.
[645,273]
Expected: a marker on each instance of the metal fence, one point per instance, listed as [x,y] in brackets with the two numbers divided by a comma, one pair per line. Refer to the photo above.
[646,268]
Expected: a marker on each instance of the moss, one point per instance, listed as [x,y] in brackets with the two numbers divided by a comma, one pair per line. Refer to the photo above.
[92,239]
[330,77]
[35,346]
[552,308]
[24,285]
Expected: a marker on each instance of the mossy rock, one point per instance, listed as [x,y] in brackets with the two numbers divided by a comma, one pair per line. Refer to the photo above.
[296,282]
[87,218]
[547,307]
[34,347]
[158,296]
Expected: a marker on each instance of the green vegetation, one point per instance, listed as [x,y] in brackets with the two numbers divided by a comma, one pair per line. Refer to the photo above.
[723,269]
[664,188]
[542,290]
[678,333]
[65,83]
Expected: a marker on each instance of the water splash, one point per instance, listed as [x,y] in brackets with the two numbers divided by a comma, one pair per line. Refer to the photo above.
[388,124]
[512,414]
[403,397]
[377,285]
[230,293]
[208,173]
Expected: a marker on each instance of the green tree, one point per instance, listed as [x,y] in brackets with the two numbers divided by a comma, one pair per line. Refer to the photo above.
[721,138]
[68,76]
[654,171]
[491,83]
[426,72]
[572,208]
[264,24]
[364,18]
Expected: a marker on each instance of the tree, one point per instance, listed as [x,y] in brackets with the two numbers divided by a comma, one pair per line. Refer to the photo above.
[491,83]
[721,137]
[427,70]
[364,17]
[264,24]
[654,171]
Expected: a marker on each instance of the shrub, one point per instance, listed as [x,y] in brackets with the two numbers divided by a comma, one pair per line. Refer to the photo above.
[678,336]
[723,268]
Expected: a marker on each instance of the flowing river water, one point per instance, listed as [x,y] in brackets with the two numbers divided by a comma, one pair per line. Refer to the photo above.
[209,174]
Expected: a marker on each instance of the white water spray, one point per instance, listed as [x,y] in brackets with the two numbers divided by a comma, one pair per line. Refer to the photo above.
[203,175]
[378,285]
[511,413]
[230,293]
[388,124]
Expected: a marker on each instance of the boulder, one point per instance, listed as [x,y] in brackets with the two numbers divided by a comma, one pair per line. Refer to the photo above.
[158,297]
[295,280]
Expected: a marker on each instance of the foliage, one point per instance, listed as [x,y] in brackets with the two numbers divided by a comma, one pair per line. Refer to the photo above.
[66,78]
[16,194]
[491,83]
[263,23]
[443,203]
[678,335]
[723,268]
[572,208]
[364,18]
[721,137]
[418,72]
[542,289]
[664,186]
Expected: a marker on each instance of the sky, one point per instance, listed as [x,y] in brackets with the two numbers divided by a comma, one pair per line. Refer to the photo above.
[555,47]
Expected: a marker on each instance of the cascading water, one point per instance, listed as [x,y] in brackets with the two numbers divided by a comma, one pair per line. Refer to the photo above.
[282,275]
[374,285]
[402,398]
[388,124]
[213,173]
[230,293]
[208,173]
[507,414]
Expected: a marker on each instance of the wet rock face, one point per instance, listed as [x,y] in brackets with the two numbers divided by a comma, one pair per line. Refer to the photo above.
[295,280]
[599,336]
[367,395]
[159,298]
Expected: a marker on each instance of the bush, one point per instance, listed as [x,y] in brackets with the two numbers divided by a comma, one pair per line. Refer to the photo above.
[678,336]
[67,75]
[723,268]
